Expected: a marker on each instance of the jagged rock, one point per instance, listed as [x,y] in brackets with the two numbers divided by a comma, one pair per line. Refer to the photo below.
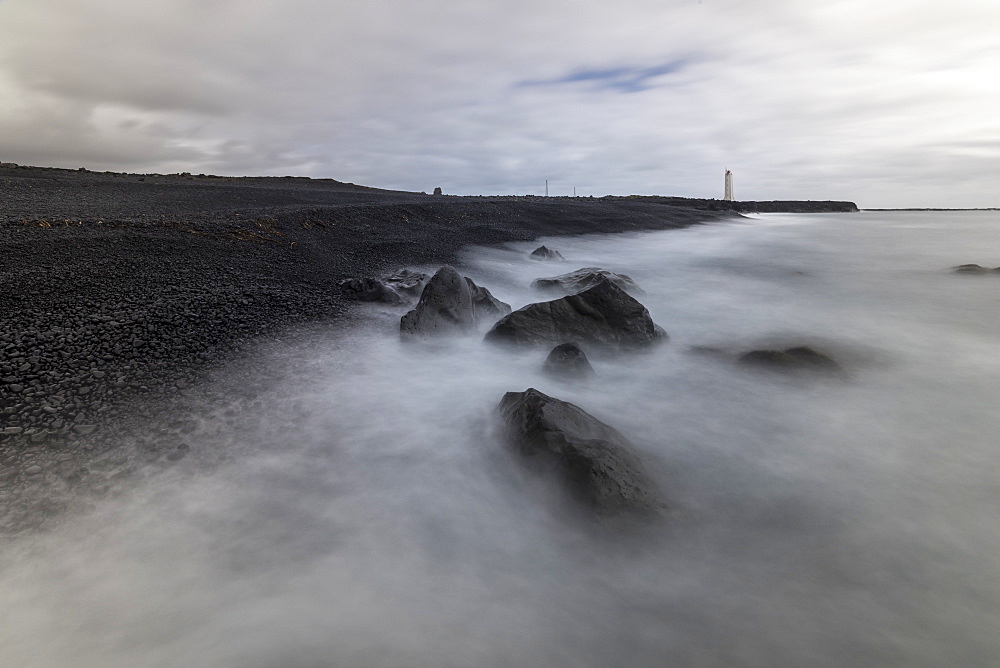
[437,191]
[543,253]
[598,465]
[603,315]
[581,279]
[369,290]
[974,269]
[801,358]
[451,303]
[407,282]
[568,362]
[392,289]
[487,307]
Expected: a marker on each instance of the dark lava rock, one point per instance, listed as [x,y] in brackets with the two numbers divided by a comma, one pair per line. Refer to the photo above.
[598,464]
[449,304]
[603,315]
[369,290]
[582,279]
[407,282]
[974,269]
[543,253]
[568,362]
[445,307]
[801,358]
[487,307]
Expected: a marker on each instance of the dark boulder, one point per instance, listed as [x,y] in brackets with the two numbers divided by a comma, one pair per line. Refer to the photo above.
[445,307]
[582,279]
[543,253]
[568,362]
[599,465]
[801,358]
[451,304]
[603,315]
[487,307]
[974,269]
[369,290]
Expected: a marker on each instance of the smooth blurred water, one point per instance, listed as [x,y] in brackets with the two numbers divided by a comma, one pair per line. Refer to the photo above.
[366,513]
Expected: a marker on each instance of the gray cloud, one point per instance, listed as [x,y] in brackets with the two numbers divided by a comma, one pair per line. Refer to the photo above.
[888,105]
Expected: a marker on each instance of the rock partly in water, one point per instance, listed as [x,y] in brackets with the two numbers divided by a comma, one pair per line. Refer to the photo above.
[487,307]
[599,465]
[603,315]
[407,282]
[393,289]
[801,358]
[369,290]
[445,307]
[544,253]
[974,269]
[568,362]
[582,279]
[451,304]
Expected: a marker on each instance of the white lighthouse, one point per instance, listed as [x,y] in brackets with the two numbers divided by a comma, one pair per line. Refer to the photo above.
[729,186]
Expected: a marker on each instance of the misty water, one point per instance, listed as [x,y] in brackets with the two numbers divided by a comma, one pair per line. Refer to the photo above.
[360,509]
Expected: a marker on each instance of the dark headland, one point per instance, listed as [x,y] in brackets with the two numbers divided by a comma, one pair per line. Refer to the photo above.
[118,292]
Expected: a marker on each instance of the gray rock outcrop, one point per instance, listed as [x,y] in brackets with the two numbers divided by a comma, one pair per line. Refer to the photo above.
[544,253]
[582,279]
[451,304]
[568,362]
[599,466]
[603,315]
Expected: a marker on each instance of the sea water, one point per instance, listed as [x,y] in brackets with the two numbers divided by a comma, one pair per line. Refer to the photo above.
[360,508]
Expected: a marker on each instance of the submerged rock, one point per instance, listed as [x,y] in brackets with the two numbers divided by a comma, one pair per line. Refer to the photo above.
[801,358]
[603,315]
[974,269]
[582,279]
[598,465]
[543,253]
[568,362]
[451,304]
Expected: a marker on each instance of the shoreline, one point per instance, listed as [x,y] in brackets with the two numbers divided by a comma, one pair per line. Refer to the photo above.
[112,323]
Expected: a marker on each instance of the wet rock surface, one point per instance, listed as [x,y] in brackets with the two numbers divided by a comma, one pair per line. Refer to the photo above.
[451,304]
[604,316]
[568,362]
[582,279]
[544,253]
[596,463]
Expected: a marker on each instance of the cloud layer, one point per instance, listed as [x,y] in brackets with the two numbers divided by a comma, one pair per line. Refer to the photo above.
[889,105]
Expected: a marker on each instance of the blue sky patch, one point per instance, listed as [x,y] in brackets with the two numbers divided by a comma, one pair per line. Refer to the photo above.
[622,79]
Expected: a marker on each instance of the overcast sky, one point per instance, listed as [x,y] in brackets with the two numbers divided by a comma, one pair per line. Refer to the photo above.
[891,103]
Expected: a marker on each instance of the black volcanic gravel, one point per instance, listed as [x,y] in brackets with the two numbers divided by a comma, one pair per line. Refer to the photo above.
[119,291]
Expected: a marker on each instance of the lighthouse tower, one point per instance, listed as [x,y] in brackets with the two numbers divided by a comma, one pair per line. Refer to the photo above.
[729,186]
